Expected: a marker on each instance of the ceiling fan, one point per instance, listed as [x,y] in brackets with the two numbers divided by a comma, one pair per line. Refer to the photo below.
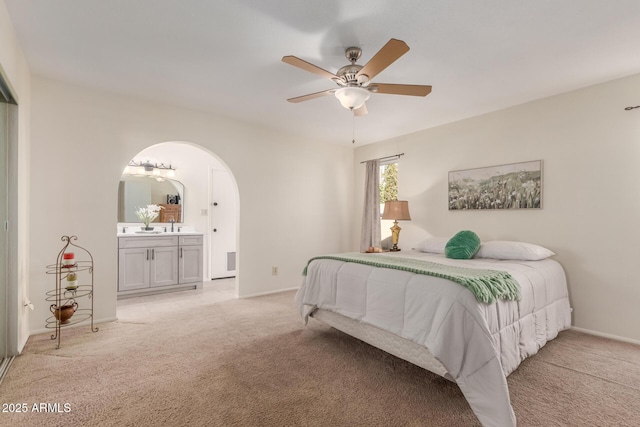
[355,80]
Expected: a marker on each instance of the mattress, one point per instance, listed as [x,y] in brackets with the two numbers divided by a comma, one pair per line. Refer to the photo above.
[476,344]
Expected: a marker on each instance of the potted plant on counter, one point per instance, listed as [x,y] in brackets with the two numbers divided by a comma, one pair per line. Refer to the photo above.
[148,214]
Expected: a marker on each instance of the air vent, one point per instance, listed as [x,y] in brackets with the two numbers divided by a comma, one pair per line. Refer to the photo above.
[231,261]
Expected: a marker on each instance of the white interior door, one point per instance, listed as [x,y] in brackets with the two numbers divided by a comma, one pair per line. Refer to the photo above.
[223,214]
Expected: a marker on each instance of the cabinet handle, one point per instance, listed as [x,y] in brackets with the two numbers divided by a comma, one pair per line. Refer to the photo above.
[147,254]
[180,252]
[153,254]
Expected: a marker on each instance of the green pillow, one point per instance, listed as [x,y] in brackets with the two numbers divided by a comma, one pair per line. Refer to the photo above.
[463,245]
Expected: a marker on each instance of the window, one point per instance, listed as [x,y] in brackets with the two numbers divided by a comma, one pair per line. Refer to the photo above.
[388,182]
[388,191]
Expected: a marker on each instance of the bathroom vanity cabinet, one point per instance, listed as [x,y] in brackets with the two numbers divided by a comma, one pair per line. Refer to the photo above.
[158,263]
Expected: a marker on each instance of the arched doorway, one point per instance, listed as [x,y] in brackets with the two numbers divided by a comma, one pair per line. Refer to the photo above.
[210,190]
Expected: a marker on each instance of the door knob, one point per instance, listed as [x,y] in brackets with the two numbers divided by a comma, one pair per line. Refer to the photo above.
[215,229]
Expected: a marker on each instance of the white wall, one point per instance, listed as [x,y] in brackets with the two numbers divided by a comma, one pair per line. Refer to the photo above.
[16,72]
[591,204]
[82,138]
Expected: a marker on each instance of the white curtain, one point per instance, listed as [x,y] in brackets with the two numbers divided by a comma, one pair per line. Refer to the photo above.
[370,234]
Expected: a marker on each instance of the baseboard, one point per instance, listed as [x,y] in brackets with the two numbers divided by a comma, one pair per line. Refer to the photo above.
[77,325]
[603,335]
[279,291]
[158,290]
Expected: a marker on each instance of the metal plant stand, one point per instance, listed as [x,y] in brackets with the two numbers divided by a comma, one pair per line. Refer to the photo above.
[74,288]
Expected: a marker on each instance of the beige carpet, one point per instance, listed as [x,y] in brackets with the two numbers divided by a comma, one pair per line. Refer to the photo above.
[252,363]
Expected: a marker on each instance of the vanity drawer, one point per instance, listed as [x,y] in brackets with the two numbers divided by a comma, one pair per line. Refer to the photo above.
[147,241]
[190,240]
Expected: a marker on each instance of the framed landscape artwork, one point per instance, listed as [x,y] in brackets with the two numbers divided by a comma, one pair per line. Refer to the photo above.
[512,186]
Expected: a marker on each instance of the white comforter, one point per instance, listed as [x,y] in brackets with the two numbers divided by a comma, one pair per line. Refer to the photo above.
[479,344]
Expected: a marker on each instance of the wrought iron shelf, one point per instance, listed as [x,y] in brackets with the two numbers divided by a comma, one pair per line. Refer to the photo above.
[79,316]
[80,291]
[64,270]
[64,297]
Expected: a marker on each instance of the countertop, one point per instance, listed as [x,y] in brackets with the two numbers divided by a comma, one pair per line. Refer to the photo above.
[159,234]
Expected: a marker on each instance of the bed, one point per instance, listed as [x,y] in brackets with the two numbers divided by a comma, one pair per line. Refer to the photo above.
[438,324]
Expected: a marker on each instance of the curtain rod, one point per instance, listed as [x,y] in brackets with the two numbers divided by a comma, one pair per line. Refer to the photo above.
[397,156]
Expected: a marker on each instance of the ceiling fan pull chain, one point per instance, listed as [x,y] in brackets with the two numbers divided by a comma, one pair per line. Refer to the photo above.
[353,134]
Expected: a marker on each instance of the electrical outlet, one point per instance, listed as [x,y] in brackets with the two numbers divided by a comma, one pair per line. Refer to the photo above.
[274,270]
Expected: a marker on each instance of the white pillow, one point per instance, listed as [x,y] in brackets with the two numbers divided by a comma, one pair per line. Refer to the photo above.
[434,245]
[498,249]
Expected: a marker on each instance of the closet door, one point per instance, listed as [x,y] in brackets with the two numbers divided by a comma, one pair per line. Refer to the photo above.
[4,167]
[9,310]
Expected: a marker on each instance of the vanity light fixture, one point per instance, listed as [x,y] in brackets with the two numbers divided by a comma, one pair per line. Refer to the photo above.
[154,170]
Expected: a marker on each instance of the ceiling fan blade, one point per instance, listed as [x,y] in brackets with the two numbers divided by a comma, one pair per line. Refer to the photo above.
[362,111]
[307,66]
[393,89]
[311,96]
[390,52]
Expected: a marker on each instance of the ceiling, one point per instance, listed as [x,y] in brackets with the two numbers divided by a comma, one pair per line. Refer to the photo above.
[225,56]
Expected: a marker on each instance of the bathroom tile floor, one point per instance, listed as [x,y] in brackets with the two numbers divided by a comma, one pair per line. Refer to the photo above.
[147,308]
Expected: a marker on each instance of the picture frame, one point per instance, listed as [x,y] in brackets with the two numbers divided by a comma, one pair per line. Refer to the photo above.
[504,187]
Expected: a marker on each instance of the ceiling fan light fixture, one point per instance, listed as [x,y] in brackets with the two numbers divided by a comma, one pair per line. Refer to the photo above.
[352,97]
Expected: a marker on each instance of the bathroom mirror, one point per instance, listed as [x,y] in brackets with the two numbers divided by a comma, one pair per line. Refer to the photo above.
[139,191]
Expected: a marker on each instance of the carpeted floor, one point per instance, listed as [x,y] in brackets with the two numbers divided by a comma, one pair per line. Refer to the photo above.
[252,363]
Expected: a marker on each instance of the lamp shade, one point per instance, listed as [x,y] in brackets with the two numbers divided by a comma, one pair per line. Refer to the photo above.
[352,97]
[397,210]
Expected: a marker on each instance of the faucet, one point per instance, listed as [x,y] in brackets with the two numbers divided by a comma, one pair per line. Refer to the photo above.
[171,221]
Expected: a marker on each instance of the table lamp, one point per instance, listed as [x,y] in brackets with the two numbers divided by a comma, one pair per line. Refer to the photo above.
[397,210]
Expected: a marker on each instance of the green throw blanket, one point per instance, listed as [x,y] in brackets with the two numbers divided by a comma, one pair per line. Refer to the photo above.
[486,285]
